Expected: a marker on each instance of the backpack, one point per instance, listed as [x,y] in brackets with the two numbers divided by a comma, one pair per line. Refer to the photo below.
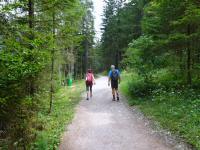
[115,75]
[89,78]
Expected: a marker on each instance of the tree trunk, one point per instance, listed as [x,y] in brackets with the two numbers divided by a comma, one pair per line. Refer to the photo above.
[60,74]
[31,13]
[52,66]
[117,59]
[189,76]
[86,55]
[31,37]
[81,67]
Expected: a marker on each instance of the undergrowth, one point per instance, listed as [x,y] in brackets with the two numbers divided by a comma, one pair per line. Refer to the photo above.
[177,110]
[52,125]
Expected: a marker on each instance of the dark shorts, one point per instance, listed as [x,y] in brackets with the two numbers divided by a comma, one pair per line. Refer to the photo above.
[88,86]
[114,84]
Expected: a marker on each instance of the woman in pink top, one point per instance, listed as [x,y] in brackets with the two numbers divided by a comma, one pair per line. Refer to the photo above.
[89,81]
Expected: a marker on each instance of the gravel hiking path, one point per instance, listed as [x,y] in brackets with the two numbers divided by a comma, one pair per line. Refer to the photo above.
[102,124]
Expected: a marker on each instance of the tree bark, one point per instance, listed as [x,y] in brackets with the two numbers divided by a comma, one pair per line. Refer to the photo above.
[52,66]
[117,59]
[86,55]
[31,13]
[189,76]
[31,37]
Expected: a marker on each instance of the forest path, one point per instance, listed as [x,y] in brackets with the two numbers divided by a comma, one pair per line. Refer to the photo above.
[101,124]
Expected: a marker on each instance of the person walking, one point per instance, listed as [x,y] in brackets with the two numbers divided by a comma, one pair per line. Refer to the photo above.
[114,78]
[89,81]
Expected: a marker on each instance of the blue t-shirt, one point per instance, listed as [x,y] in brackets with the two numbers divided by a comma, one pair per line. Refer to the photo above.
[110,73]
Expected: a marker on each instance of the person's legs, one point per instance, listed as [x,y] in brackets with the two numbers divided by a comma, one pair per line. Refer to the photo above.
[90,90]
[116,90]
[113,93]
[117,93]
[87,89]
[114,85]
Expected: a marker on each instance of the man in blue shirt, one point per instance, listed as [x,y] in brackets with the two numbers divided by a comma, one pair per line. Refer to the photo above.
[114,79]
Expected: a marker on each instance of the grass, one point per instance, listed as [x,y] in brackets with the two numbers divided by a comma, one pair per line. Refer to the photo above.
[176,111]
[53,125]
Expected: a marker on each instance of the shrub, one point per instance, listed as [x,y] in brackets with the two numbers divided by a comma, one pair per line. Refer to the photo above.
[141,88]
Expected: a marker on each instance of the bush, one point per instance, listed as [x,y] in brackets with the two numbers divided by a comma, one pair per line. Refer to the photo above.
[141,88]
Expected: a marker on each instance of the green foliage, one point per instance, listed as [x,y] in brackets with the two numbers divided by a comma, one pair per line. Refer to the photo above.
[121,25]
[163,53]
[136,54]
[157,42]
[169,40]
[175,110]
[20,62]
[41,43]
[50,127]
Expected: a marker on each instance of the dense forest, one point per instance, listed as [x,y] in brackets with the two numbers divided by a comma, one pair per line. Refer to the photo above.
[157,43]
[44,43]
[152,36]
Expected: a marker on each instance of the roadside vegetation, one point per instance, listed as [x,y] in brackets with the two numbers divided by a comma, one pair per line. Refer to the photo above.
[176,110]
[157,43]
[43,45]
[51,127]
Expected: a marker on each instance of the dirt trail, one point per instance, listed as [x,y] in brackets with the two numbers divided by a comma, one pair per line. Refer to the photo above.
[101,124]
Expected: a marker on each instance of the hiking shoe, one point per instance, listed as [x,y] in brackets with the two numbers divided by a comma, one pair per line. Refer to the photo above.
[117,98]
